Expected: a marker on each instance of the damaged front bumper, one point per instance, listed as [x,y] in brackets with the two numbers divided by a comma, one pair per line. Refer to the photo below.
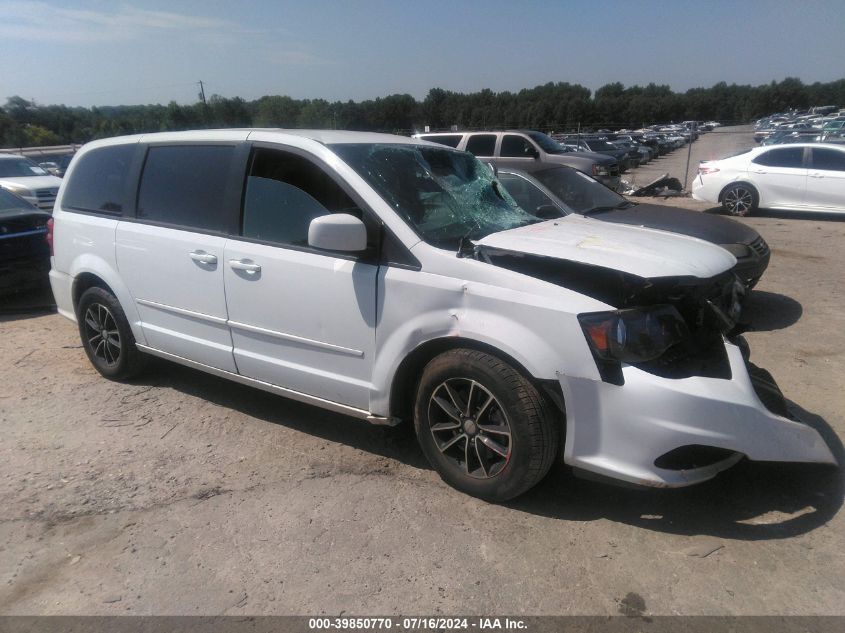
[692,427]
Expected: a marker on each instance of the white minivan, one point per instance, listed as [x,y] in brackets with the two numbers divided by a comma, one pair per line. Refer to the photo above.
[394,279]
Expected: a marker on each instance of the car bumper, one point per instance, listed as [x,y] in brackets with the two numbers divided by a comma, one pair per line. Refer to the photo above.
[707,190]
[62,286]
[23,273]
[621,431]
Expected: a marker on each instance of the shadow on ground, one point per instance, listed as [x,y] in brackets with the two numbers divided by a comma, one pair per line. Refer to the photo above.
[752,501]
[768,311]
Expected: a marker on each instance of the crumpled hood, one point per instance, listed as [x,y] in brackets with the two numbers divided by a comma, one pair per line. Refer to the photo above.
[31,182]
[638,251]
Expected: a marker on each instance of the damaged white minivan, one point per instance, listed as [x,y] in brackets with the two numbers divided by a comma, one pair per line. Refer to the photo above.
[392,279]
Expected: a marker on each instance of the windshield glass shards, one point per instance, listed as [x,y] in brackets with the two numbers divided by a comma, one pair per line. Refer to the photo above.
[578,191]
[445,195]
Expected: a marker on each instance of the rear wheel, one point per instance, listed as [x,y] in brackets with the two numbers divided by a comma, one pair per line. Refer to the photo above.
[740,199]
[106,335]
[483,426]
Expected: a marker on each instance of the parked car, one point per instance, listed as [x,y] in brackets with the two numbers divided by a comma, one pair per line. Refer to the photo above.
[24,252]
[521,148]
[389,278]
[561,191]
[601,146]
[24,177]
[796,177]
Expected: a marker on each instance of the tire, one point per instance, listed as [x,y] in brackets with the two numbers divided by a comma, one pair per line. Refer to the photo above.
[508,442]
[740,199]
[106,335]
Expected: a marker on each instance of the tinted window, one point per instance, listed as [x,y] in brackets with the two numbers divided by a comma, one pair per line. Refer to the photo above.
[526,194]
[452,140]
[284,192]
[828,159]
[516,146]
[185,185]
[11,201]
[782,157]
[482,144]
[98,182]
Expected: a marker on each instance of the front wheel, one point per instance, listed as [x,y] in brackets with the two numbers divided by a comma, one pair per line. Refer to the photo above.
[740,199]
[106,335]
[483,426]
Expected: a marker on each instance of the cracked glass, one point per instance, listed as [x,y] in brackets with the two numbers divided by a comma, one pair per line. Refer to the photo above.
[445,195]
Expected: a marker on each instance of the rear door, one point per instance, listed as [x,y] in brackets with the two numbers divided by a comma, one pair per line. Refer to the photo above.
[300,318]
[826,179]
[780,176]
[171,254]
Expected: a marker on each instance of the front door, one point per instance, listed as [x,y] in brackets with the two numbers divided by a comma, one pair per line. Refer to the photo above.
[300,318]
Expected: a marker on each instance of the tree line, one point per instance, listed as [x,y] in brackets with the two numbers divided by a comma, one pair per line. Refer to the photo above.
[559,107]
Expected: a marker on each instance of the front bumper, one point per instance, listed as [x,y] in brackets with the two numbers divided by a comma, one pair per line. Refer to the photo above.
[620,431]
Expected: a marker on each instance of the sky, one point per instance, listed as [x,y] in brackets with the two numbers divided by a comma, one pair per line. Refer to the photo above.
[99,52]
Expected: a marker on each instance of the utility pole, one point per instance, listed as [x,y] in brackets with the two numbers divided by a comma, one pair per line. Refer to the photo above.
[202,92]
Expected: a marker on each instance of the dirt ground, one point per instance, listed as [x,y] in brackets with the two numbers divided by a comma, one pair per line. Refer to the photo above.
[181,493]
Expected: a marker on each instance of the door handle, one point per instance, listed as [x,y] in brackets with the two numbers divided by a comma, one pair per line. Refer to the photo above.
[759,171]
[245,264]
[816,175]
[203,258]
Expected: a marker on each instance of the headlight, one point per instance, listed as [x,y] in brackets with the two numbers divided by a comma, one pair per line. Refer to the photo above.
[737,250]
[633,336]
[600,170]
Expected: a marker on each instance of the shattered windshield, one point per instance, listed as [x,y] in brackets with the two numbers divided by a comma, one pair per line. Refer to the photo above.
[578,191]
[446,195]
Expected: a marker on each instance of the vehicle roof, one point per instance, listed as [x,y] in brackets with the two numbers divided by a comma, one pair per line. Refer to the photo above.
[325,137]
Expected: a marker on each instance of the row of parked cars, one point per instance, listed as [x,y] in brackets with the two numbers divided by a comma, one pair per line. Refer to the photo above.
[514,309]
[821,124]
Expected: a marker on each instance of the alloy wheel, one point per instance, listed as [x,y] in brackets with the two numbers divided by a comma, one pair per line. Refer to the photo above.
[470,427]
[102,334]
[739,200]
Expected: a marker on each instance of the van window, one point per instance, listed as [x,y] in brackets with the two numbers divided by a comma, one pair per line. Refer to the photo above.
[451,140]
[185,185]
[98,182]
[482,144]
[284,192]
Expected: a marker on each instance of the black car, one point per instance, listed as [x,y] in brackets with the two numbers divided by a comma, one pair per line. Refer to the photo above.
[557,191]
[24,252]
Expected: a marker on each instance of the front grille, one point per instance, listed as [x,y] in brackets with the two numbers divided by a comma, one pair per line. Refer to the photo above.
[46,197]
[760,247]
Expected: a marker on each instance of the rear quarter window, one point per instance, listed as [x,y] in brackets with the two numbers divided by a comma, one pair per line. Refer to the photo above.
[98,183]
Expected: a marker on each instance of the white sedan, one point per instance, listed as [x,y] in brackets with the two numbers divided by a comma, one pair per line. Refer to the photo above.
[796,177]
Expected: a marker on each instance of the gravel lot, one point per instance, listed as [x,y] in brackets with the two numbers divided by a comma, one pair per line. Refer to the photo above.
[181,493]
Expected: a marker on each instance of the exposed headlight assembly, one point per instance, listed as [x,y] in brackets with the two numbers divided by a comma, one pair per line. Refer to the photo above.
[633,336]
